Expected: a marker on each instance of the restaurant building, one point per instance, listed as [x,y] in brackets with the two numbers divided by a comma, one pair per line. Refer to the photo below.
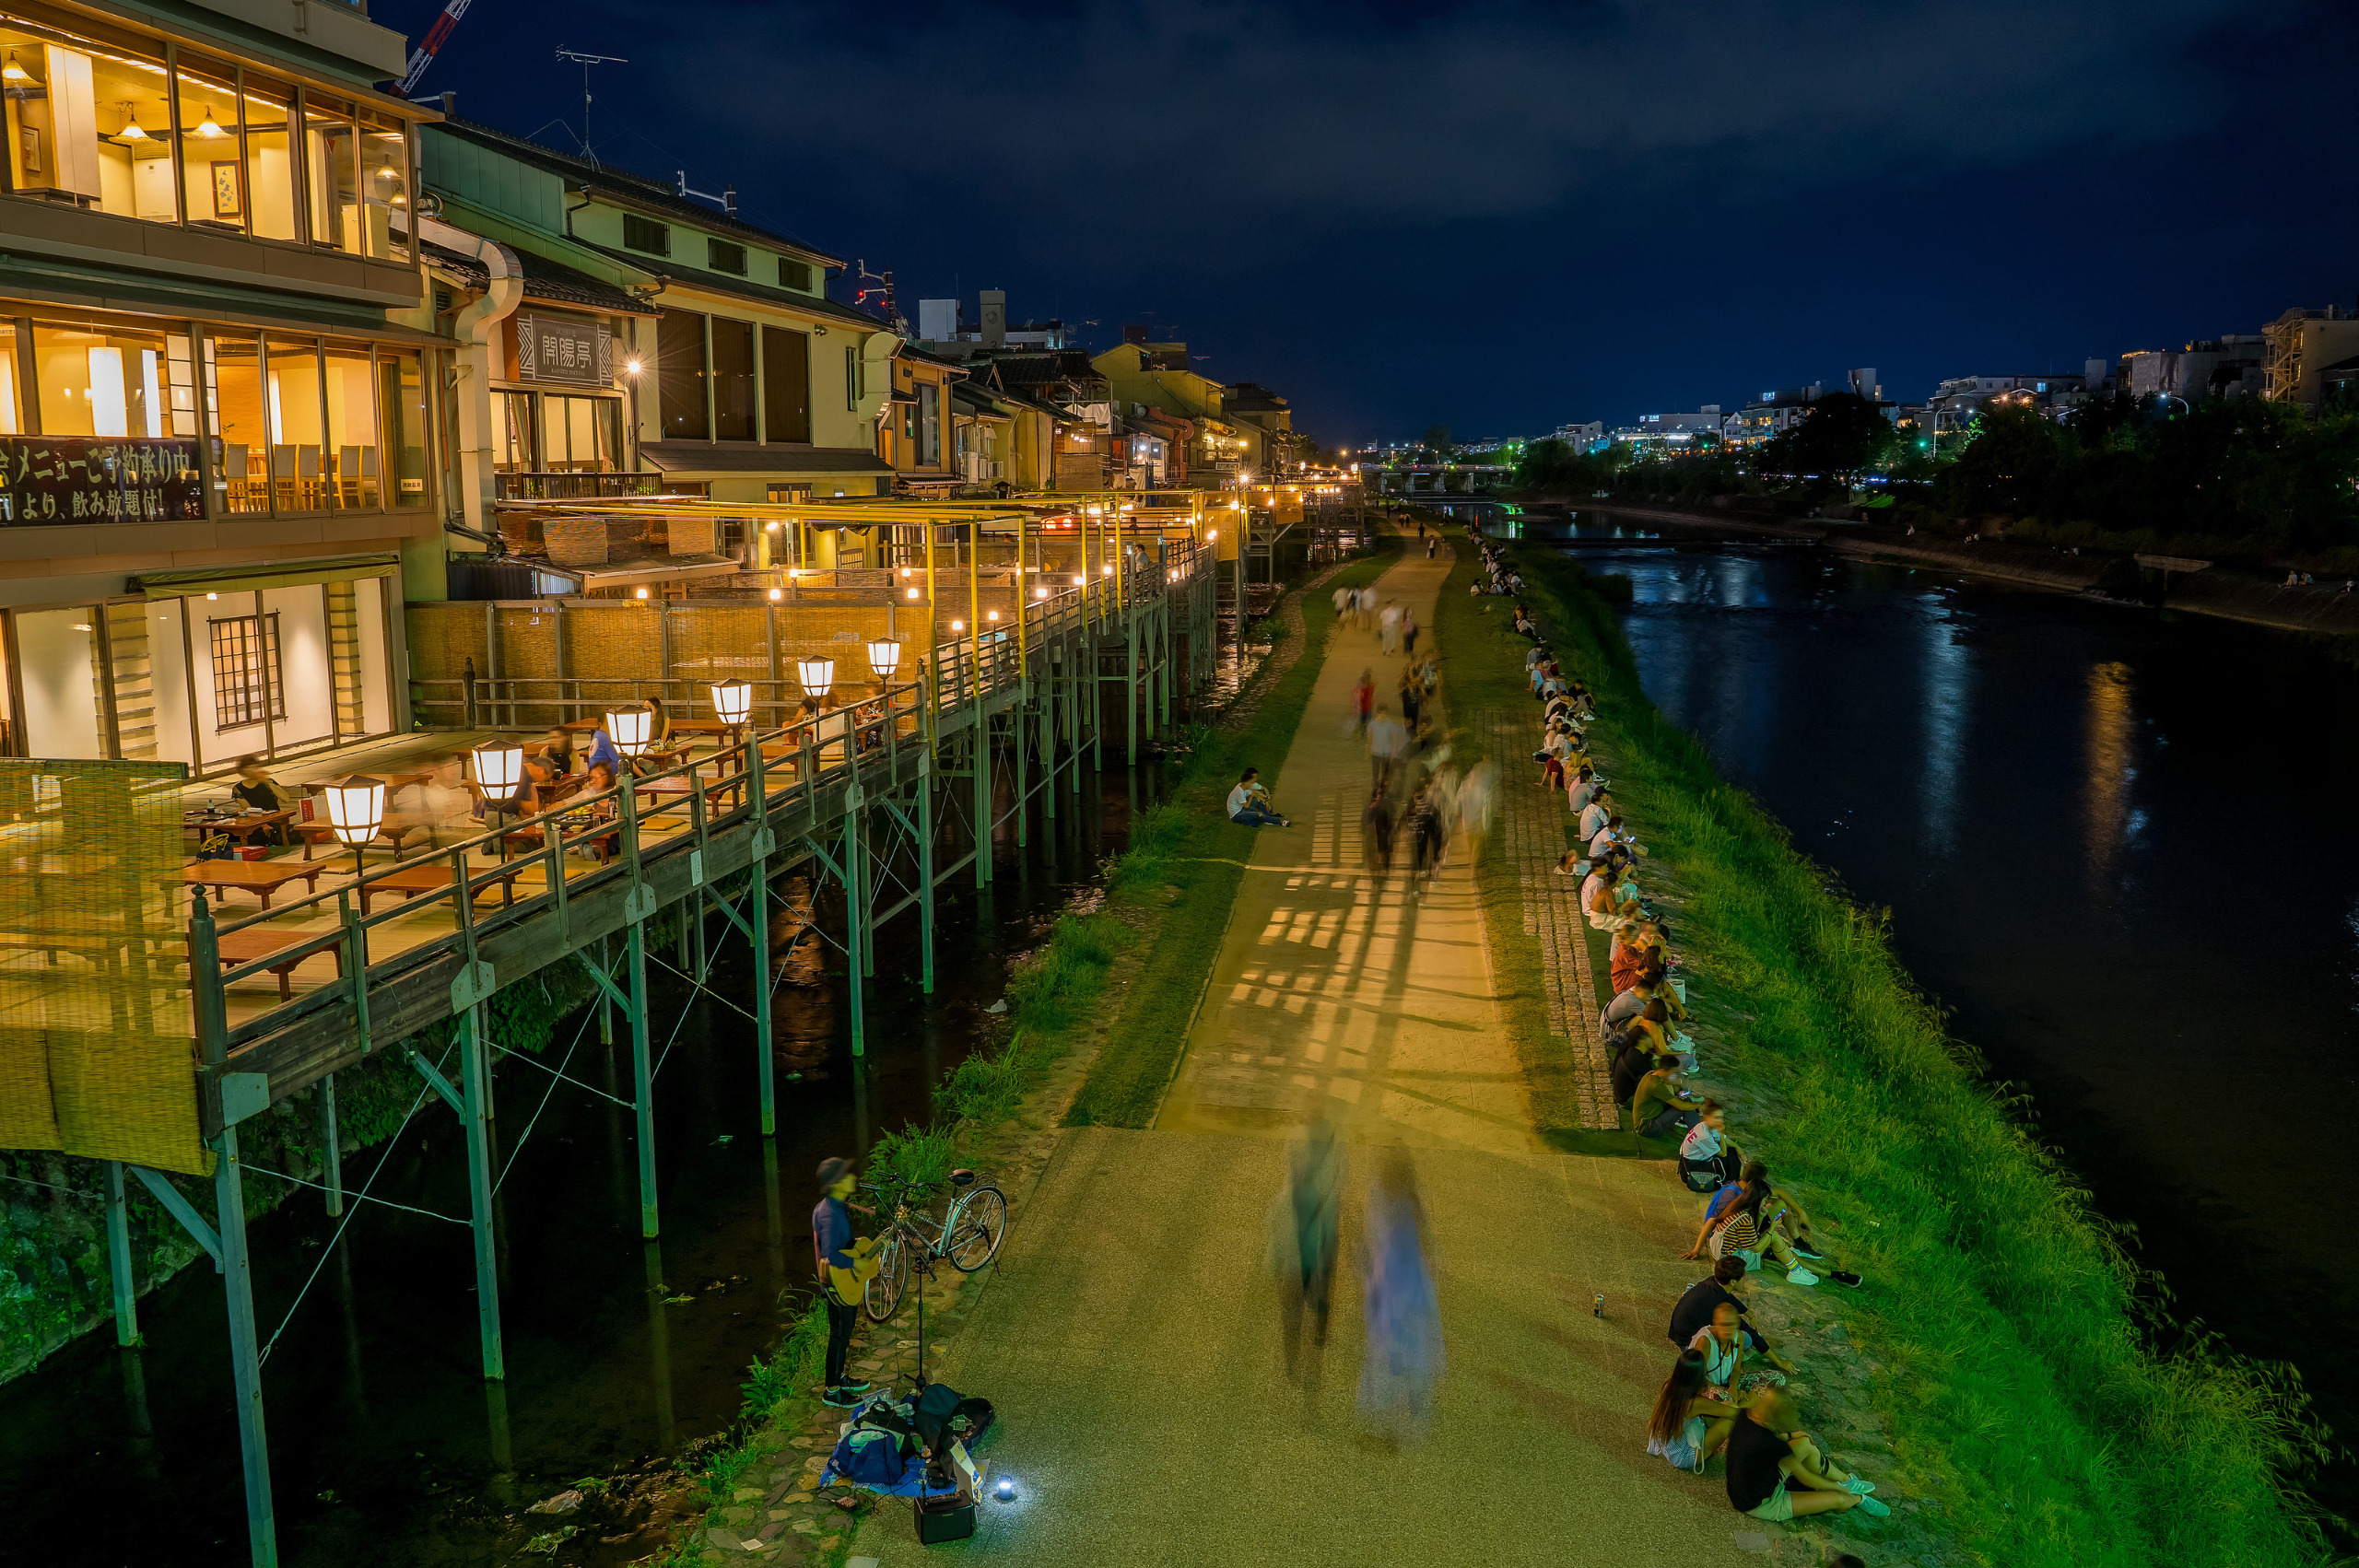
[214,449]
[674,348]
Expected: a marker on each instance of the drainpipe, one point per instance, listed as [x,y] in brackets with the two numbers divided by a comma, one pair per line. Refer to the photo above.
[478,327]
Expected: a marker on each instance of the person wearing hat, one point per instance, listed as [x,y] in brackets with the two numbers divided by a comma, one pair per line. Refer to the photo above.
[830,1247]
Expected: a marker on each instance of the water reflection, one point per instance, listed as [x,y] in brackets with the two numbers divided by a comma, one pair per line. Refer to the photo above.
[1948,669]
[2106,787]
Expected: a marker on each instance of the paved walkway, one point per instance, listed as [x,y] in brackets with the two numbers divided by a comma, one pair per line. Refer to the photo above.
[1130,1336]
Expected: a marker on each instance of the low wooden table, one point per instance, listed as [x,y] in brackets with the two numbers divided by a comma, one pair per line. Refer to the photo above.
[264,877]
[253,946]
[242,827]
[415,882]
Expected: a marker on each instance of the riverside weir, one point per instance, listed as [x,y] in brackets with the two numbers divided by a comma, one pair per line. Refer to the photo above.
[1035,636]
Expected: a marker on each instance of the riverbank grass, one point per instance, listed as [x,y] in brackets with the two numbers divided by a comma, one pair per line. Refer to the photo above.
[2006,1325]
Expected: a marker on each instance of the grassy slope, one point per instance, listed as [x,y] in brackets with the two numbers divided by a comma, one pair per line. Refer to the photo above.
[1188,843]
[2015,1371]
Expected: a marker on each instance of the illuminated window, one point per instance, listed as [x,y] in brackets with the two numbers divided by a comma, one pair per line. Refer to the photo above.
[245,670]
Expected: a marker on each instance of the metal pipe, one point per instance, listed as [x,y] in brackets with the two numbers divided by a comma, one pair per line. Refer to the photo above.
[126,1289]
[475,1088]
[245,1354]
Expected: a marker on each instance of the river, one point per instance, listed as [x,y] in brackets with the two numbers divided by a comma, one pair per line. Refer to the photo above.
[2120,849]
[387,1446]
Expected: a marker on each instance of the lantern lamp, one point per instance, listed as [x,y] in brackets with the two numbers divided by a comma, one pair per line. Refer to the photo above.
[885,657]
[817,674]
[499,768]
[630,729]
[731,701]
[957,625]
[355,810]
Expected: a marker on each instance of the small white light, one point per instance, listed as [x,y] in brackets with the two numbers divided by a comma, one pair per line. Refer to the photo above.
[778,593]
[214,596]
[640,594]
[1079,581]
[1040,593]
[885,657]
[355,808]
[957,625]
[991,615]
[1007,1491]
[913,594]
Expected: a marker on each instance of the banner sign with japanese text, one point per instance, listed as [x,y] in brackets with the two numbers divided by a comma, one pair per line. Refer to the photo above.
[555,348]
[54,480]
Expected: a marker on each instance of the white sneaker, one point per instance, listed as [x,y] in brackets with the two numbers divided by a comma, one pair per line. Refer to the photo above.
[1798,1275]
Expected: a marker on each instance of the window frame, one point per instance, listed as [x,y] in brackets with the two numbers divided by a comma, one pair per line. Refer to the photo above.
[657,227]
[264,706]
[718,253]
[795,275]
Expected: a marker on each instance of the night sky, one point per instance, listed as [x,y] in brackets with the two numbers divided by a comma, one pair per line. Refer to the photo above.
[1506,217]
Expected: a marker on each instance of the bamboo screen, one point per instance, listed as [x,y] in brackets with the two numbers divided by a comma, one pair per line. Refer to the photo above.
[97,1054]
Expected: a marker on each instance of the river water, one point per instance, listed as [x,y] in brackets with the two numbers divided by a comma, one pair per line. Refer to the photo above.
[2119,847]
[386,1443]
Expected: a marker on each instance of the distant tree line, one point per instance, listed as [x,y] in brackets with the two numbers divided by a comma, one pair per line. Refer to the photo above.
[2229,479]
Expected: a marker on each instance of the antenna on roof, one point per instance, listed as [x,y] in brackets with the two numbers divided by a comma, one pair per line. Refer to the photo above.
[585,62]
[728,197]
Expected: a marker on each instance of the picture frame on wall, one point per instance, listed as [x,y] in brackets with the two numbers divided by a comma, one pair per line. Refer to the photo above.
[229,189]
[28,149]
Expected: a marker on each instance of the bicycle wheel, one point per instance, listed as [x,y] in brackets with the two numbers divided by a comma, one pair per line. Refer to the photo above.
[883,1292]
[976,1230]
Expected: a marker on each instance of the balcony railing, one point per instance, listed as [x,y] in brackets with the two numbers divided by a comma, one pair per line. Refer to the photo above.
[519,486]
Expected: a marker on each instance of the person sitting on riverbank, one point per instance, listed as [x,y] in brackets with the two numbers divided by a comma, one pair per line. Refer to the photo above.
[1628,1004]
[1688,1425]
[1722,1345]
[1249,804]
[1746,1232]
[1694,1310]
[1659,1106]
[1596,811]
[1580,789]
[1707,1159]
[1609,834]
[1789,1215]
[1777,1473]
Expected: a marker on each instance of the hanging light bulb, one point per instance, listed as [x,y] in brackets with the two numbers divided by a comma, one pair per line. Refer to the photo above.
[208,127]
[131,130]
[12,72]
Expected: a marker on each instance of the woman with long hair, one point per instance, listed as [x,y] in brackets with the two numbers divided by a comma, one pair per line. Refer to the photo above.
[1688,1425]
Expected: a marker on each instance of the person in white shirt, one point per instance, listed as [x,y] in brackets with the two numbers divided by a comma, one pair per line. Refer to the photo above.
[1580,789]
[1389,622]
[1249,804]
[1388,742]
[1607,836]
[1595,812]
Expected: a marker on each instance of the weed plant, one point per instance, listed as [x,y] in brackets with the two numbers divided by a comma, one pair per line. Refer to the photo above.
[2011,1331]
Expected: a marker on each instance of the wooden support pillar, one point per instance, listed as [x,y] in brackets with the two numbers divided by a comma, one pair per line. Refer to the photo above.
[1019,720]
[475,1093]
[245,1348]
[331,1146]
[126,1288]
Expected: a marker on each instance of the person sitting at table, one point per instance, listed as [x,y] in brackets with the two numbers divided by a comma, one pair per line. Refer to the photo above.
[659,728]
[602,750]
[256,791]
[556,749]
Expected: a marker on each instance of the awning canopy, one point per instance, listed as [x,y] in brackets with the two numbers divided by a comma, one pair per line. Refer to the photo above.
[248,576]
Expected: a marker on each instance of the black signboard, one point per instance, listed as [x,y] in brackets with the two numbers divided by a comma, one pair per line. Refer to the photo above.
[52,480]
[555,348]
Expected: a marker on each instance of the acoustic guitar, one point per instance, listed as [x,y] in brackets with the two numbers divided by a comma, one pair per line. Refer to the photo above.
[849,1285]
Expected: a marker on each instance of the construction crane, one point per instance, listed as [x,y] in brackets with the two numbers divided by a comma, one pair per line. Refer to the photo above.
[423,55]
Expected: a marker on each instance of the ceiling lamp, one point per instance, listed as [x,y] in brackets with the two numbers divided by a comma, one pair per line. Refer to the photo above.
[131,130]
[817,674]
[208,127]
[12,72]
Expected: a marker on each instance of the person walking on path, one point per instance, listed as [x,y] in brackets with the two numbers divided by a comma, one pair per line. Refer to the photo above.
[1404,1359]
[1388,627]
[1364,699]
[1310,1224]
[1409,632]
[1375,836]
[1388,741]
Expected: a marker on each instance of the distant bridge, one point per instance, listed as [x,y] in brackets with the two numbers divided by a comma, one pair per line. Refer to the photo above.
[1442,478]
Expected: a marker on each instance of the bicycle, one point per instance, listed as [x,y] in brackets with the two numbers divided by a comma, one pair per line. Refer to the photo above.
[969,1235]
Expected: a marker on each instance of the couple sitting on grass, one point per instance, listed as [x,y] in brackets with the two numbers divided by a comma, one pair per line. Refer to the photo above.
[1249,804]
[1712,1402]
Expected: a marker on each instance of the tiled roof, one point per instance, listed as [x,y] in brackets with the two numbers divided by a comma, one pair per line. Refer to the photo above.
[723,283]
[1039,370]
[544,279]
[636,189]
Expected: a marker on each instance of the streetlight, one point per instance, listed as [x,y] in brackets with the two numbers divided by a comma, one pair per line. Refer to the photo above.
[357,809]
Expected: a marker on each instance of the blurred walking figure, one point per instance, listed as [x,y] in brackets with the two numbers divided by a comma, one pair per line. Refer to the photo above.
[1388,741]
[1474,800]
[1409,632]
[1388,625]
[1375,834]
[1311,1222]
[1431,834]
[1404,1349]
[1363,698]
